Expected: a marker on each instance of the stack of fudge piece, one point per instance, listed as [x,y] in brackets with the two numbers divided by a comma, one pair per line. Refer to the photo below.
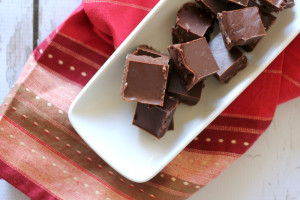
[145,80]
[159,82]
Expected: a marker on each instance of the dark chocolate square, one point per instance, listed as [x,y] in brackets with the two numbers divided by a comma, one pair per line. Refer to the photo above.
[273,5]
[229,61]
[216,6]
[241,27]
[193,61]
[243,3]
[288,4]
[267,19]
[145,79]
[155,119]
[149,51]
[192,22]
[177,89]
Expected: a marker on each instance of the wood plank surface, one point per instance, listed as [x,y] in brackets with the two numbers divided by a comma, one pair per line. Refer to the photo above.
[52,13]
[15,40]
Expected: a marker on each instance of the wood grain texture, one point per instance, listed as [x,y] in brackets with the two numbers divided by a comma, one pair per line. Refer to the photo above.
[7,192]
[52,13]
[15,40]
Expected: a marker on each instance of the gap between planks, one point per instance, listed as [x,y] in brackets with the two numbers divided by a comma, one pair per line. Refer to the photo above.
[35,23]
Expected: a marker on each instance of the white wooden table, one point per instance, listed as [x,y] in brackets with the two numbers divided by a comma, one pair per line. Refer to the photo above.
[269,170]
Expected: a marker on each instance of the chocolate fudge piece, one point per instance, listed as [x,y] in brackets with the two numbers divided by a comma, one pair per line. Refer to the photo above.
[243,3]
[216,6]
[149,51]
[267,19]
[193,61]
[145,79]
[177,89]
[288,4]
[273,5]
[192,22]
[241,27]
[229,61]
[155,119]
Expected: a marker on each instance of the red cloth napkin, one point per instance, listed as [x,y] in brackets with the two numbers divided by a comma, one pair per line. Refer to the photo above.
[42,155]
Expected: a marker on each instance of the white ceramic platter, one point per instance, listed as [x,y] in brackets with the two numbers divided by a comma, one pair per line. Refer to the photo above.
[104,120]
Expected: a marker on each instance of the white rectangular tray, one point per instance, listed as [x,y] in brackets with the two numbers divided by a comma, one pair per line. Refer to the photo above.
[104,120]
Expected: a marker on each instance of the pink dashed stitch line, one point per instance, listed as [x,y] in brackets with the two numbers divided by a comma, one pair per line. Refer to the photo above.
[89,159]
[78,152]
[110,173]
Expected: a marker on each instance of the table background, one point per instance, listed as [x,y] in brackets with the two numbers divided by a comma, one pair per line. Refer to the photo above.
[269,170]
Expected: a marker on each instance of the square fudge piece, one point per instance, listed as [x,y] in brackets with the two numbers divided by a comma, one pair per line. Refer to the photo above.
[288,4]
[145,79]
[149,51]
[156,120]
[277,5]
[177,89]
[267,19]
[229,61]
[241,27]
[192,22]
[194,61]
[216,6]
[243,3]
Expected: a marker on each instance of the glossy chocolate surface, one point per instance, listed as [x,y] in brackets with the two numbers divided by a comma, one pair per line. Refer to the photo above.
[214,6]
[193,61]
[277,5]
[243,3]
[155,120]
[288,4]
[177,89]
[273,5]
[229,61]
[267,19]
[149,51]
[192,22]
[145,79]
[241,27]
